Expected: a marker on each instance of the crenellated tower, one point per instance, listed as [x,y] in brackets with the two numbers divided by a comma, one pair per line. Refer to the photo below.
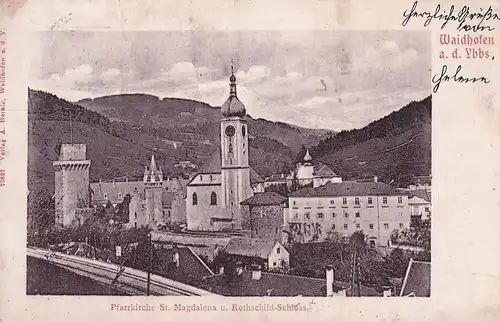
[72,176]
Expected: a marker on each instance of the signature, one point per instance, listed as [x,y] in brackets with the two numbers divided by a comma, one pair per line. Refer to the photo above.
[444,77]
[463,17]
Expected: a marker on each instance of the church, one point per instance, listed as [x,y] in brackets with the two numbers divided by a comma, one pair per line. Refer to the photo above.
[225,180]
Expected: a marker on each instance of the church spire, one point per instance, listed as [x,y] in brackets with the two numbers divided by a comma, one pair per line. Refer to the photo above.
[233,107]
[232,80]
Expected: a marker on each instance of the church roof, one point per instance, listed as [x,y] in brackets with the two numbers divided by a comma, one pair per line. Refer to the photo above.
[233,106]
[213,166]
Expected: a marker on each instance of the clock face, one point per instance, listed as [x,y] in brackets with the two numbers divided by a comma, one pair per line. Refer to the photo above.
[230,131]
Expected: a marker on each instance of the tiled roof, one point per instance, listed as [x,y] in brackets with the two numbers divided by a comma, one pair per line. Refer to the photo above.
[348,189]
[213,165]
[191,268]
[250,247]
[422,194]
[417,279]
[112,190]
[265,199]
[276,284]
[323,171]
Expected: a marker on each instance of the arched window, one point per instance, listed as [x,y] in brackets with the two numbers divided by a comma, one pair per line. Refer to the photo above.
[213,198]
[230,149]
[195,198]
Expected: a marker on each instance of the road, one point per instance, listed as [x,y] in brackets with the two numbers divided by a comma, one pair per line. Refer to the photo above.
[130,282]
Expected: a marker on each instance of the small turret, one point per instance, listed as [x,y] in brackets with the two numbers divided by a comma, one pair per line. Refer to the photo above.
[307,157]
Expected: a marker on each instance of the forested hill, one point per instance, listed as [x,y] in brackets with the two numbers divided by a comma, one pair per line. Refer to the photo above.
[395,148]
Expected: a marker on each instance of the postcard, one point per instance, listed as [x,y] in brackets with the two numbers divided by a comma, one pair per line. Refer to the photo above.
[249,160]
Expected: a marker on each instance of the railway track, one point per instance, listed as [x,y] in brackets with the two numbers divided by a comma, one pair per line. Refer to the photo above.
[130,287]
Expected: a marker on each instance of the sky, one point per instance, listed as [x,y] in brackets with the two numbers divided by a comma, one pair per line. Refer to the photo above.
[331,80]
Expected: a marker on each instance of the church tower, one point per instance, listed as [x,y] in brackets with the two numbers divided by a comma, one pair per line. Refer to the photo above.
[235,171]
[153,188]
[71,182]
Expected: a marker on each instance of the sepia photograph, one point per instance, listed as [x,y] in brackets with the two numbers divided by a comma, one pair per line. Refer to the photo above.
[230,163]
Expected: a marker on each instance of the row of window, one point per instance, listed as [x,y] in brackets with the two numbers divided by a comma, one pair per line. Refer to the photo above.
[334,215]
[371,226]
[213,198]
[357,202]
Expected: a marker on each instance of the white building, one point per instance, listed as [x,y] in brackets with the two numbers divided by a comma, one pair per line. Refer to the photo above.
[375,208]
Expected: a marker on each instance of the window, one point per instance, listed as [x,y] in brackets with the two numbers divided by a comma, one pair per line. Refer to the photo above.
[333,226]
[333,215]
[274,263]
[119,196]
[332,202]
[213,198]
[320,215]
[370,200]
[358,215]
[201,177]
[384,200]
[400,199]
[294,203]
[358,225]
[346,226]
[401,225]
[346,215]
[306,215]
[296,216]
[356,201]
[210,177]
[135,214]
[256,231]
[427,209]
[371,226]
[230,149]
[195,198]
[105,196]
[278,250]
[386,226]
[344,201]
[276,230]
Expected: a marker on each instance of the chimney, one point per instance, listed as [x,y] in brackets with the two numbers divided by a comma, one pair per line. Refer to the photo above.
[387,291]
[375,179]
[256,272]
[329,280]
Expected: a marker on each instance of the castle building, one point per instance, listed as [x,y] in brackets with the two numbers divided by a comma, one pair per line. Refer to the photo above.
[153,201]
[214,194]
[309,172]
[375,208]
[72,173]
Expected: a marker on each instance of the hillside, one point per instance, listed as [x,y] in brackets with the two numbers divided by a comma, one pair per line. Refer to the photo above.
[121,142]
[395,148]
[180,119]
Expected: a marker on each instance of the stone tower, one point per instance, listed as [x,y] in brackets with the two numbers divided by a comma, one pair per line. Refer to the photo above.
[153,188]
[235,171]
[72,172]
